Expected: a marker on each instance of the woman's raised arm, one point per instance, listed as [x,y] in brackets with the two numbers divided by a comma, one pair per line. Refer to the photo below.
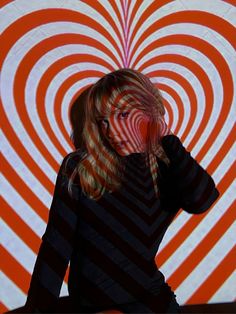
[195,187]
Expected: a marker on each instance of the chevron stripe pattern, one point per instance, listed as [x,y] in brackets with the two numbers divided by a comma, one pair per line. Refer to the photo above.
[111,243]
[51,50]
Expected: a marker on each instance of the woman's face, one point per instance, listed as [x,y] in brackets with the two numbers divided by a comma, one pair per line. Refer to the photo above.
[126,130]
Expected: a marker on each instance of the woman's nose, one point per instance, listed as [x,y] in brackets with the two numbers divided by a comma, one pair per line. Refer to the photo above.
[110,130]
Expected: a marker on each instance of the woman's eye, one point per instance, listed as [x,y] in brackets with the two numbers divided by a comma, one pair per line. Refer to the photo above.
[124,114]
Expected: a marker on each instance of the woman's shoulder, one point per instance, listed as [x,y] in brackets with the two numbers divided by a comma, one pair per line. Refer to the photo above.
[170,139]
[172,145]
[74,156]
[71,160]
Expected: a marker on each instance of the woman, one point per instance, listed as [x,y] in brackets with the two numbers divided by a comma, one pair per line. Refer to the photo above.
[114,198]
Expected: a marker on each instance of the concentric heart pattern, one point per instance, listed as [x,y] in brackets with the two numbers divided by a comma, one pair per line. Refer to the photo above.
[50,51]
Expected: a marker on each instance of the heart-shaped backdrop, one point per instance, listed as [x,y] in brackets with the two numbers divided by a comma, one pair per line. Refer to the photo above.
[50,51]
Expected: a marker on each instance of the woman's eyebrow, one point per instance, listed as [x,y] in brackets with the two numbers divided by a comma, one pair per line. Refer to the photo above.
[121,109]
[113,111]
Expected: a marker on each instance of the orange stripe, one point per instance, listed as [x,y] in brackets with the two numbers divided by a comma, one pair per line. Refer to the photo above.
[24,232]
[46,80]
[227,144]
[222,152]
[136,6]
[25,192]
[202,249]
[64,87]
[32,20]
[190,225]
[21,77]
[225,75]
[199,72]
[116,10]
[216,279]
[202,77]
[99,8]
[168,109]
[232,2]
[15,271]
[5,2]
[218,24]
[226,78]
[20,227]
[187,88]
[153,7]
[3,308]
[169,90]
[12,137]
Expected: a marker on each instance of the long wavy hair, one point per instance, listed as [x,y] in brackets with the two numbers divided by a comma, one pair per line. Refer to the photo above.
[100,167]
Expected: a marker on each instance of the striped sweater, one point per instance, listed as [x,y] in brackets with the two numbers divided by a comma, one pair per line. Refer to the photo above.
[111,243]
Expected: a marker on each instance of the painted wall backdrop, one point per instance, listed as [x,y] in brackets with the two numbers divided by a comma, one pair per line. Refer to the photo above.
[51,50]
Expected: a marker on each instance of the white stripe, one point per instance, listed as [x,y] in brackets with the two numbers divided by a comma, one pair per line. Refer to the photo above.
[14,10]
[10,294]
[52,90]
[22,208]
[172,7]
[64,289]
[183,217]
[174,228]
[70,94]
[217,106]
[130,22]
[227,292]
[220,8]
[89,11]
[57,28]
[221,137]
[25,174]
[35,76]
[213,76]
[174,108]
[141,9]
[108,7]
[25,8]
[16,54]
[198,234]
[7,77]
[216,40]
[206,265]
[13,297]
[10,66]
[178,89]
[17,248]
[193,81]
[226,163]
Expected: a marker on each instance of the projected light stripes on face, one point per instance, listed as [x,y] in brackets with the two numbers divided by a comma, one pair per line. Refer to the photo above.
[122,117]
[125,130]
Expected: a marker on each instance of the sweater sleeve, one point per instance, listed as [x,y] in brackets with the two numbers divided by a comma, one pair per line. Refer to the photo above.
[195,187]
[56,248]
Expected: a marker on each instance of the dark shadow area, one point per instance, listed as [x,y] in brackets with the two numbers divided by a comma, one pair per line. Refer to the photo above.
[65,307]
[210,308]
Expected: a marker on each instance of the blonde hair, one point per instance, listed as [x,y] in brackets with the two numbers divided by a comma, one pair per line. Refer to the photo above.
[100,168]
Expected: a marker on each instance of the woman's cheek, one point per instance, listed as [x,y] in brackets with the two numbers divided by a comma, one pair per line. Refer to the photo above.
[143,129]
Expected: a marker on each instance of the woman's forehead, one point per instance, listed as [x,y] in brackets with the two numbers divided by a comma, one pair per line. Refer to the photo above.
[116,111]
